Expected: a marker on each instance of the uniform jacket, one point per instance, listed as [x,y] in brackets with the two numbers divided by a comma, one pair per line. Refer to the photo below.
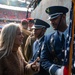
[52,52]
[37,47]
[14,64]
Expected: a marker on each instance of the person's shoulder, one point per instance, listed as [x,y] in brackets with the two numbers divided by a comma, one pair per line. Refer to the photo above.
[47,36]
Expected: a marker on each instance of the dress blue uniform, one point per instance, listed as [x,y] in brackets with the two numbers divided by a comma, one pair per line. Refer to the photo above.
[53,52]
[52,55]
[38,44]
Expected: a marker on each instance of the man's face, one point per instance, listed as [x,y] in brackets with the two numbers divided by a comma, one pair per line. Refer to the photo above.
[30,25]
[25,26]
[54,22]
[39,32]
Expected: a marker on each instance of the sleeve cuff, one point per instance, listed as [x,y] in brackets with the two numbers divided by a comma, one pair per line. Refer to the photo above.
[53,69]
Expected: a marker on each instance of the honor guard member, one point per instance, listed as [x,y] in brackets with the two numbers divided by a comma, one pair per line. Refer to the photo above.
[26,33]
[52,55]
[40,28]
[30,40]
[30,23]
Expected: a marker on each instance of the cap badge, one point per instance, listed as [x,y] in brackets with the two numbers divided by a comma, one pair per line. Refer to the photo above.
[34,21]
[48,10]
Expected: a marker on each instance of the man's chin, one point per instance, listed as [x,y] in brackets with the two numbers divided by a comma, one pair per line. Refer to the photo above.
[55,28]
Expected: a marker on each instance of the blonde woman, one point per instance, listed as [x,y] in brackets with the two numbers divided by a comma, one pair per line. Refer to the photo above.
[11,58]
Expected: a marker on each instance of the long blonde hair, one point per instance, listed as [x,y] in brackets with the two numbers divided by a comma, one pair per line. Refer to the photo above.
[7,38]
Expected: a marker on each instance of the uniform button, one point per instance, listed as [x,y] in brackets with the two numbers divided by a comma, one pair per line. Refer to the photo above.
[62,59]
[62,50]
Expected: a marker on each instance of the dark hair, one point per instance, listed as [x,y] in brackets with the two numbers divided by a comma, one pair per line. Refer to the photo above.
[31,21]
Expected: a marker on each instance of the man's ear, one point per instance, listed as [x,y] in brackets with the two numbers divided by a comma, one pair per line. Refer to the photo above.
[64,16]
[44,29]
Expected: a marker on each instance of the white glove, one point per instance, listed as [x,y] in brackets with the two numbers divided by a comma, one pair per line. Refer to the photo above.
[59,71]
